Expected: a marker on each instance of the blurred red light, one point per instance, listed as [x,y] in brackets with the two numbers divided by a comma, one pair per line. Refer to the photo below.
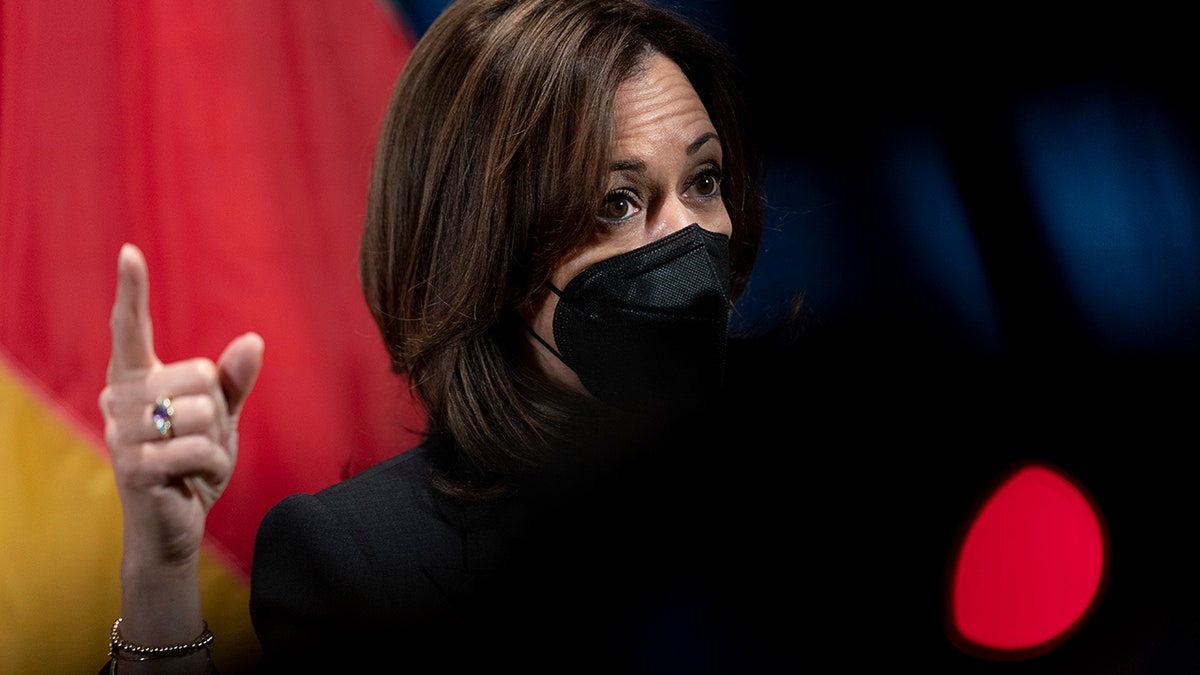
[1030,567]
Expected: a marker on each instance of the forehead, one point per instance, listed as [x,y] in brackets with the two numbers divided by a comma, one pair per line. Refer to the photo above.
[658,103]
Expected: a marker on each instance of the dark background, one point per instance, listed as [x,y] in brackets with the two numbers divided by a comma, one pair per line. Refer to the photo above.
[992,215]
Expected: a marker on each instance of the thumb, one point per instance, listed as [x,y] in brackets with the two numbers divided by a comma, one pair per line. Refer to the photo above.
[238,368]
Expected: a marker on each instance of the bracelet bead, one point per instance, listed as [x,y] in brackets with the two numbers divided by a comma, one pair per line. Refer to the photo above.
[117,644]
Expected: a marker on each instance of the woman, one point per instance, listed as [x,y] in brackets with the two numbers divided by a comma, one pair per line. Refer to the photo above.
[563,211]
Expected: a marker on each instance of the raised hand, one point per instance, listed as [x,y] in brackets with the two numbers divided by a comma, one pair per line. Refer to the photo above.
[168,476]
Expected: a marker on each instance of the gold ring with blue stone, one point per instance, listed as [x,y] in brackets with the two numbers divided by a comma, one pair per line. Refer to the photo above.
[163,418]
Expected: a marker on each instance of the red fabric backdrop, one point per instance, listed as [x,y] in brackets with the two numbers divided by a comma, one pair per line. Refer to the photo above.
[232,142]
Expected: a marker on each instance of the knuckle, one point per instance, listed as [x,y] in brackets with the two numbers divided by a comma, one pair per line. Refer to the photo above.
[105,401]
[112,436]
[205,370]
[206,411]
[119,435]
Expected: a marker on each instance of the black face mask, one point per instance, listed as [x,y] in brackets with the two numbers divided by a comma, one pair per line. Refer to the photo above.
[646,329]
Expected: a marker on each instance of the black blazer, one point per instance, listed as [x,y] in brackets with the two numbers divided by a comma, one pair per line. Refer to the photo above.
[632,566]
[375,566]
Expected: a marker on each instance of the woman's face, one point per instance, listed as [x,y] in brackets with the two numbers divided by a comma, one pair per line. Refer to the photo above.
[665,174]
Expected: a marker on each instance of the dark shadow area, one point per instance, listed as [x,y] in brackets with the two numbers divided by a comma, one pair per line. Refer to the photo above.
[993,220]
[993,217]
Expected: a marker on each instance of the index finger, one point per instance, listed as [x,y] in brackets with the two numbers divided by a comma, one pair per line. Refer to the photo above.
[132,333]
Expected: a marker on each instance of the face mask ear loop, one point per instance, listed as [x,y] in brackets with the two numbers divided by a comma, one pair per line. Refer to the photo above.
[537,337]
[545,344]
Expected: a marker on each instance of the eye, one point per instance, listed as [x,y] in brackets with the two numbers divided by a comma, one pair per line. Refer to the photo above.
[707,183]
[618,205]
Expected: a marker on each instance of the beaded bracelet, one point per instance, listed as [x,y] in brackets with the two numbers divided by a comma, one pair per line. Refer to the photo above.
[117,644]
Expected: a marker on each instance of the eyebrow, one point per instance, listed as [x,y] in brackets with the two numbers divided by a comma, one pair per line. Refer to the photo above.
[639,165]
[699,142]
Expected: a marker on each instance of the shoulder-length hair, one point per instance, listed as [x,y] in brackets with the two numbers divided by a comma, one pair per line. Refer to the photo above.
[489,170]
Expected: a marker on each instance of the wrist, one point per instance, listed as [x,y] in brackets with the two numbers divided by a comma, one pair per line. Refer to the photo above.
[183,657]
[160,602]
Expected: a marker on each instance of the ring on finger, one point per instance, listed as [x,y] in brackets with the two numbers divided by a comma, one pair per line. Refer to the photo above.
[164,414]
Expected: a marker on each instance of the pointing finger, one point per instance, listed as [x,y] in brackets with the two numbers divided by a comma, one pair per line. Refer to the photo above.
[132,334]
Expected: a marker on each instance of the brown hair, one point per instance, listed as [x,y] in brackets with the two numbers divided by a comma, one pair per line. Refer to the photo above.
[490,168]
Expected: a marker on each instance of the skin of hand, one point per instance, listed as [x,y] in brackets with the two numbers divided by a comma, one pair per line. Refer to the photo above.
[167,485]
